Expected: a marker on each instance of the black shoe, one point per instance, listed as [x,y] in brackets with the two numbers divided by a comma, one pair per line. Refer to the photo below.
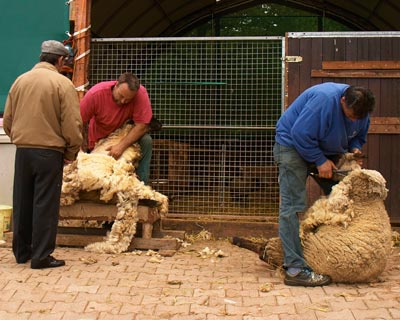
[48,262]
[307,278]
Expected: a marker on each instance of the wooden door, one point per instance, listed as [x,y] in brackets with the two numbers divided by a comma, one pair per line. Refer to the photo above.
[370,59]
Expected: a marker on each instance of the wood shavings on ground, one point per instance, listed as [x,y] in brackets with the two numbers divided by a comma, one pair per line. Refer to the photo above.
[260,240]
[320,307]
[155,257]
[266,287]
[348,295]
[89,260]
[151,253]
[207,252]
[134,253]
[202,235]
[183,243]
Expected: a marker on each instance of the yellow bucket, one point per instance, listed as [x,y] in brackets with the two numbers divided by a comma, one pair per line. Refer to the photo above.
[5,219]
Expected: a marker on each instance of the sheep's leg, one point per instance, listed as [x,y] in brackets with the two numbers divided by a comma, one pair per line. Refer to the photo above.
[256,247]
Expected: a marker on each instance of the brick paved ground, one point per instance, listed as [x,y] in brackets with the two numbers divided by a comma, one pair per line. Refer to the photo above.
[183,287]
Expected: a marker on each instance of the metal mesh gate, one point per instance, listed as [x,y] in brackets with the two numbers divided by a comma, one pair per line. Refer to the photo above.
[219,100]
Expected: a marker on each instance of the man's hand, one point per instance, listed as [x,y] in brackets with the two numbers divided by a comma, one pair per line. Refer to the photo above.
[325,169]
[132,137]
[359,160]
[115,151]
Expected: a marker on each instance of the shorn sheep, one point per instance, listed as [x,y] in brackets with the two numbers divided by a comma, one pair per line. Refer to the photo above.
[114,179]
[346,235]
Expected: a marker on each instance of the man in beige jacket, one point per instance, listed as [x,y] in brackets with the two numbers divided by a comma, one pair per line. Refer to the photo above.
[42,119]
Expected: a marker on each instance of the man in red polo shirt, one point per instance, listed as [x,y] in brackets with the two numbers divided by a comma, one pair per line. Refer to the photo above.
[108,105]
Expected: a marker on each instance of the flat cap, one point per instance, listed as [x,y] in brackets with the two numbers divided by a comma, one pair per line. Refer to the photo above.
[54,47]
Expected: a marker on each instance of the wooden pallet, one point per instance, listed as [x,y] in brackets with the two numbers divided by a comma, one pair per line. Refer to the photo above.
[149,227]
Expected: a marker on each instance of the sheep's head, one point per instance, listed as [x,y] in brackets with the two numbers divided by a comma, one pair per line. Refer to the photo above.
[366,185]
[347,162]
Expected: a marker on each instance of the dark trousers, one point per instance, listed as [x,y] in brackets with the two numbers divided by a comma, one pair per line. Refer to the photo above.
[36,202]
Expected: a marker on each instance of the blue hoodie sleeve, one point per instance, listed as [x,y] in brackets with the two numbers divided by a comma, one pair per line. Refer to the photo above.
[305,134]
[311,126]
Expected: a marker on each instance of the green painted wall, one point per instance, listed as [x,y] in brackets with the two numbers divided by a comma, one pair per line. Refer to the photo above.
[24,25]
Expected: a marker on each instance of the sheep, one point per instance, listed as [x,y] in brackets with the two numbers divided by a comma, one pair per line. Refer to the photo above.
[346,235]
[115,179]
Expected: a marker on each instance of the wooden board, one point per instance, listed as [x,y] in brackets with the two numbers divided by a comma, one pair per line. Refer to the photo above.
[222,228]
[384,125]
[361,65]
[368,74]
[82,240]
[92,210]
[103,212]
[165,241]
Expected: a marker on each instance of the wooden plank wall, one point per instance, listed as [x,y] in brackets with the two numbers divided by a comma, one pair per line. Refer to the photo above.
[371,62]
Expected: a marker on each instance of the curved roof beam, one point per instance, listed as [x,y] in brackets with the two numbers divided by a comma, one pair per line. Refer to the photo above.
[138,18]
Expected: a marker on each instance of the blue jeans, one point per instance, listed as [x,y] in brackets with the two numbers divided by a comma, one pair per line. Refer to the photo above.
[146,148]
[292,185]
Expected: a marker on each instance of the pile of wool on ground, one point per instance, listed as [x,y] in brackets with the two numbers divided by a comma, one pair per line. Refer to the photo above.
[114,179]
[346,235]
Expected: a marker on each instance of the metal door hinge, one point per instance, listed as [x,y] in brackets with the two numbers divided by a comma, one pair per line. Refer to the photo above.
[293,59]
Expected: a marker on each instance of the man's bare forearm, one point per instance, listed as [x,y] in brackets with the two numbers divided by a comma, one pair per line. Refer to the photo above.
[136,133]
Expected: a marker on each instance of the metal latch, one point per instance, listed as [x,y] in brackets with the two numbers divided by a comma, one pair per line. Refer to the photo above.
[293,58]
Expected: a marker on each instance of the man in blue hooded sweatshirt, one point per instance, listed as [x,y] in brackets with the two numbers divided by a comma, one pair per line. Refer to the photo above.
[326,120]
